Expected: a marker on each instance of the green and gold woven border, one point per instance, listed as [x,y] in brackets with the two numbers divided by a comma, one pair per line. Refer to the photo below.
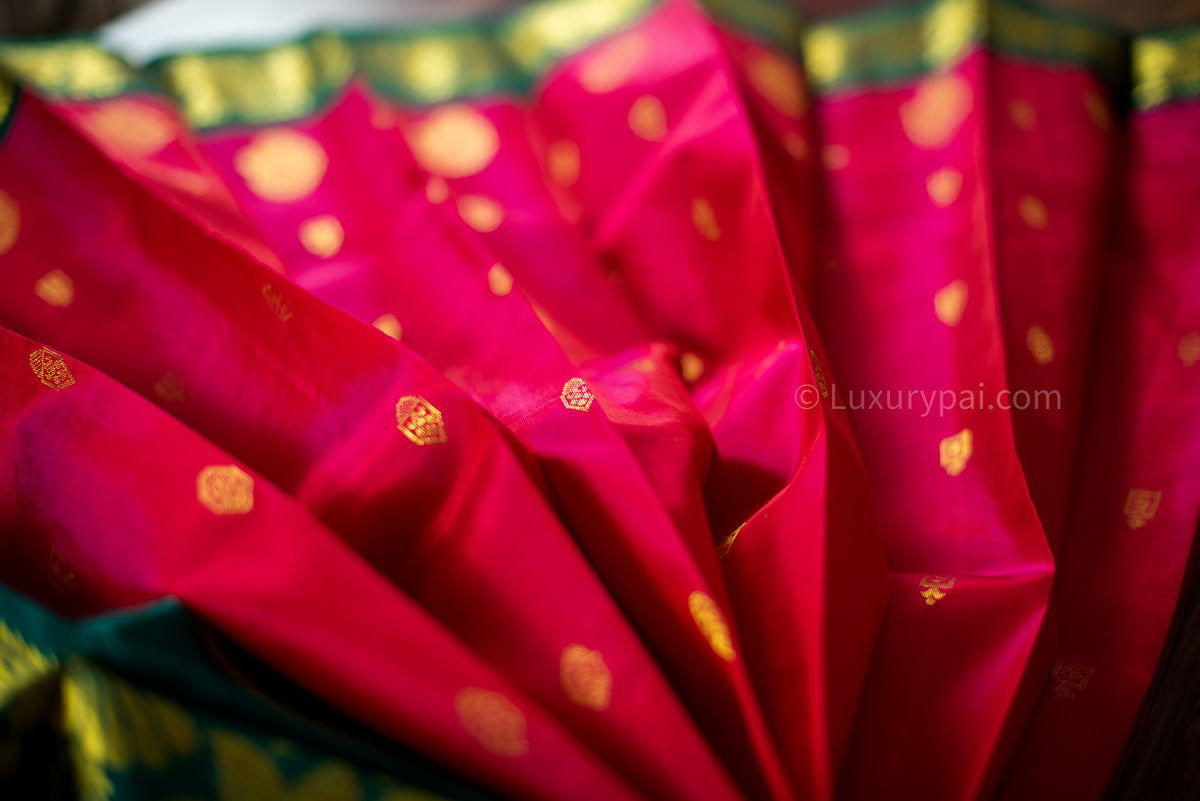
[68,66]
[882,45]
[1166,67]
[284,82]
[772,21]
[10,99]
[294,79]
[507,55]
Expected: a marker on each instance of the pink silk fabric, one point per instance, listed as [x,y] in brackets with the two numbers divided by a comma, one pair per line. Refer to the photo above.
[373,652]
[621,479]
[301,432]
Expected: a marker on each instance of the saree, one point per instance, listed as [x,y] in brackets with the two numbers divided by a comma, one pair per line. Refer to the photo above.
[639,399]
[87,714]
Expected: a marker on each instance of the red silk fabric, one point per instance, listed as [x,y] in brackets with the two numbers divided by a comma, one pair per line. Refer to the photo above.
[692,466]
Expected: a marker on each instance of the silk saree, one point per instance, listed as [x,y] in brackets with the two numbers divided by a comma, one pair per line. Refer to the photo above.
[604,400]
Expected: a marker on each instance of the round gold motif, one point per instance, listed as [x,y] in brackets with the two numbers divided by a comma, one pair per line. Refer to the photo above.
[1189,348]
[614,62]
[131,127]
[500,281]
[712,624]
[562,159]
[1022,114]
[944,185]
[10,222]
[705,219]
[585,678]
[225,489]
[281,165]
[1033,212]
[777,80]
[648,118]
[1040,344]
[949,302]
[1097,108]
[691,367]
[322,236]
[454,141]
[938,109]
[835,157]
[796,145]
[955,451]
[493,720]
[481,213]
[388,324]
[56,288]
[437,190]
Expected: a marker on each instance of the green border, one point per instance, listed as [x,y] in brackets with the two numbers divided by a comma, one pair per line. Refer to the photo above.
[889,44]
[1166,66]
[160,648]
[291,80]
[257,86]
[11,98]
[507,54]
[771,21]
[885,45]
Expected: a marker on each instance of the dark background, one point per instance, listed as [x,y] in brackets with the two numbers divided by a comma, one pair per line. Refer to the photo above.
[1164,763]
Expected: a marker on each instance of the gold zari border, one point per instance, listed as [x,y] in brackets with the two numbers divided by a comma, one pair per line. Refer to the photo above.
[71,67]
[1166,67]
[895,43]
[292,80]
[280,83]
[874,47]
[506,55]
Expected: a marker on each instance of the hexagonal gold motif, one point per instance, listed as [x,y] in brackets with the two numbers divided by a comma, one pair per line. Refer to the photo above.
[420,421]
[225,489]
[576,395]
[51,369]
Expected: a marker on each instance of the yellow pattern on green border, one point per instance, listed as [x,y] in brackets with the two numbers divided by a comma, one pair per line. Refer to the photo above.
[433,67]
[898,42]
[72,67]
[539,34]
[1045,35]
[874,46]
[112,726]
[280,83]
[20,662]
[1166,67]
[507,54]
[294,79]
